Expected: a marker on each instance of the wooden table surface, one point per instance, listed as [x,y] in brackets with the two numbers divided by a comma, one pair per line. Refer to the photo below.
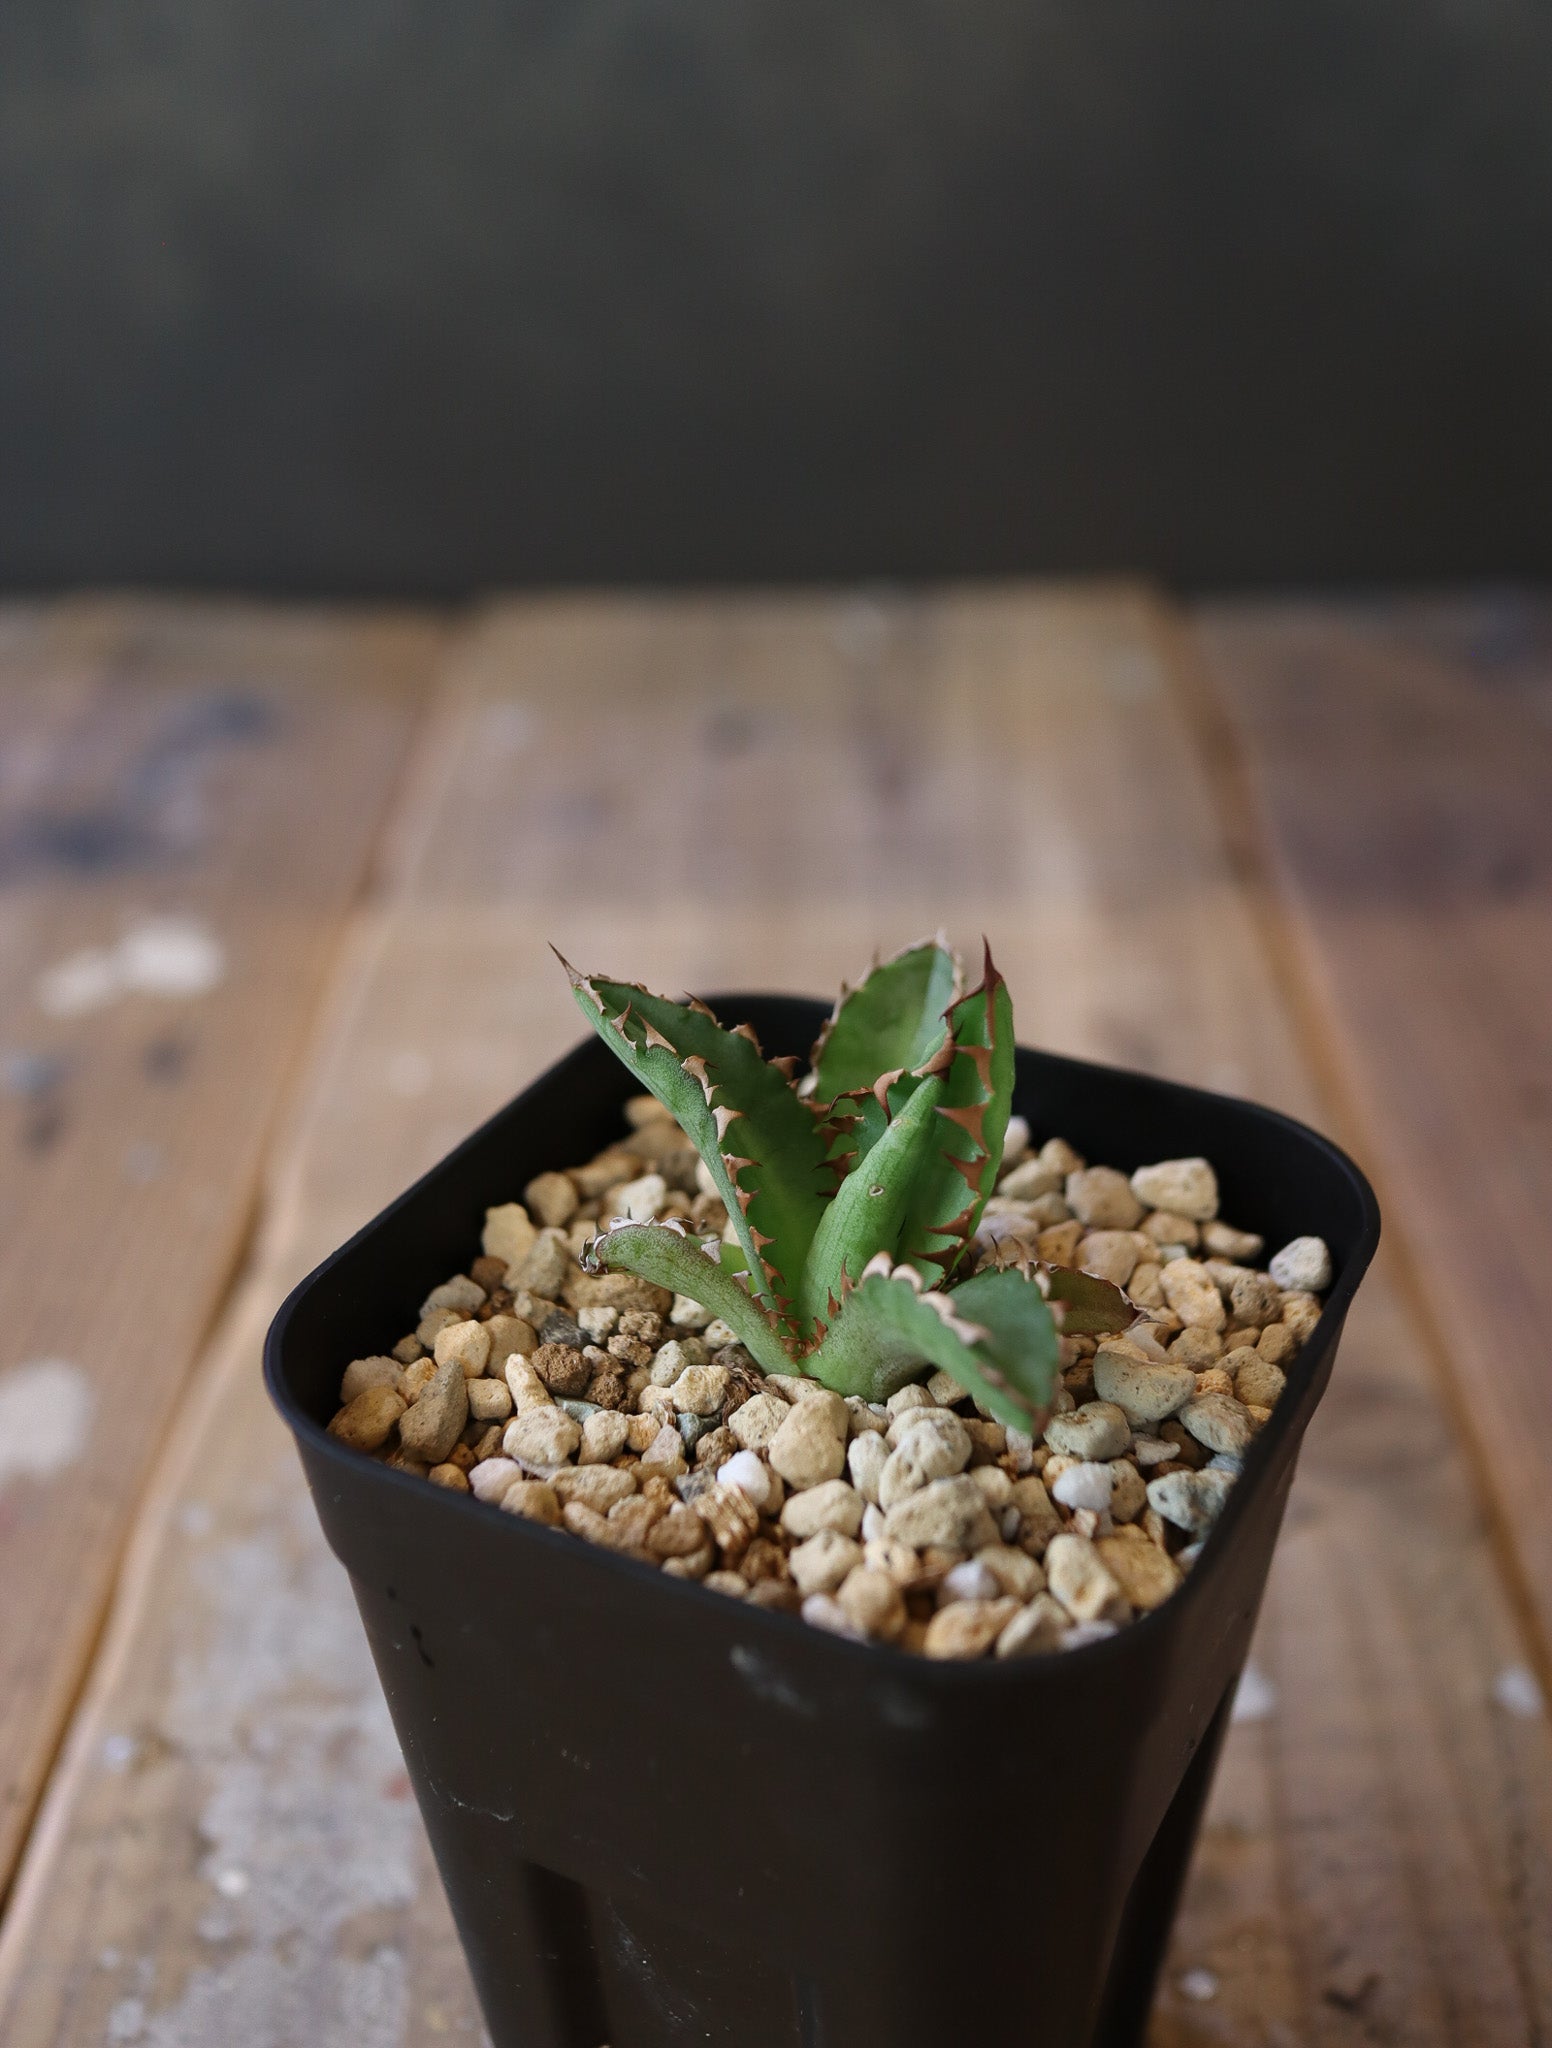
[275,887]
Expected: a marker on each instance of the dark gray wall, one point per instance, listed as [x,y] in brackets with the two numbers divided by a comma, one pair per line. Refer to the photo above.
[431,294]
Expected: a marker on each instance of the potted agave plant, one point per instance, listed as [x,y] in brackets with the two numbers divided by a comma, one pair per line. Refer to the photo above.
[845,1519]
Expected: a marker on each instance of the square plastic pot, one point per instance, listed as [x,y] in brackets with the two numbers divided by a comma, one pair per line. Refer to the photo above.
[663,1817]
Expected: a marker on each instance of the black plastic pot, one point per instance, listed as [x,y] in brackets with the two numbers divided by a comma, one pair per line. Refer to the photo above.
[663,1817]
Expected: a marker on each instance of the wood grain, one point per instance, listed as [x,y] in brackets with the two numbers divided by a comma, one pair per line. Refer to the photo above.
[757,792]
[1398,761]
[229,769]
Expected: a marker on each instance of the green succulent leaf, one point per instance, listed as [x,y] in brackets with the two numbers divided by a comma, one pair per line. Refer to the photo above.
[869,1206]
[950,1193]
[891,1024]
[670,1258]
[763,1147]
[889,1332]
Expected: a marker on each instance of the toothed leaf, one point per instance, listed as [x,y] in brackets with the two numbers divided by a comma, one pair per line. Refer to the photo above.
[951,1191]
[667,1258]
[888,1333]
[767,1159]
[870,1204]
[892,1023]
[1090,1307]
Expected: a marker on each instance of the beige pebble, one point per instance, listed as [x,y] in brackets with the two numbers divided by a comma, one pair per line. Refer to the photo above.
[433,1322]
[546,1264]
[1301,1312]
[1254,1300]
[1214,1381]
[686,1314]
[820,1564]
[509,1336]
[1277,1344]
[866,1457]
[433,1425]
[1258,1383]
[733,1584]
[1035,1629]
[1145,1286]
[679,1533]
[528,1391]
[1060,1157]
[1145,1393]
[533,1500]
[362,1373]
[1015,1571]
[603,1437]
[907,1398]
[461,1294]
[489,1400]
[1077,1576]
[415,1378]
[1219,1422]
[545,1437]
[809,1447]
[367,1422]
[831,1505]
[491,1477]
[1190,1291]
[1058,1246]
[1028,1180]
[995,1484]
[968,1628]
[757,1420]
[1099,1429]
[1302,1266]
[1102,1199]
[951,1512]
[1145,1574]
[642,1430]
[1190,1500]
[700,1389]
[468,1343]
[551,1199]
[1167,1226]
[1113,1255]
[598,1485]
[1038,1519]
[1224,1242]
[665,1454]
[873,1603]
[676,1357]
[937,1447]
[508,1235]
[1188,1186]
[1128,1491]
[1196,1348]
[453,1477]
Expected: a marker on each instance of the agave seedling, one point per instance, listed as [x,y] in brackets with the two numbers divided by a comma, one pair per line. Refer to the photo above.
[854,1194]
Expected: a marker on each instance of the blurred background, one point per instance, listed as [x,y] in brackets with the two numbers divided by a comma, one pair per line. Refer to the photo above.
[387,296]
[726,488]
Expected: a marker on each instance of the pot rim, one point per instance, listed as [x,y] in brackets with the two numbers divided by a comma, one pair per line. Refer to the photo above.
[791,1628]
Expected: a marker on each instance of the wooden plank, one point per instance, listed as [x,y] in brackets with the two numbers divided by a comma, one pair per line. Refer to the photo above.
[757,792]
[1397,761]
[211,779]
